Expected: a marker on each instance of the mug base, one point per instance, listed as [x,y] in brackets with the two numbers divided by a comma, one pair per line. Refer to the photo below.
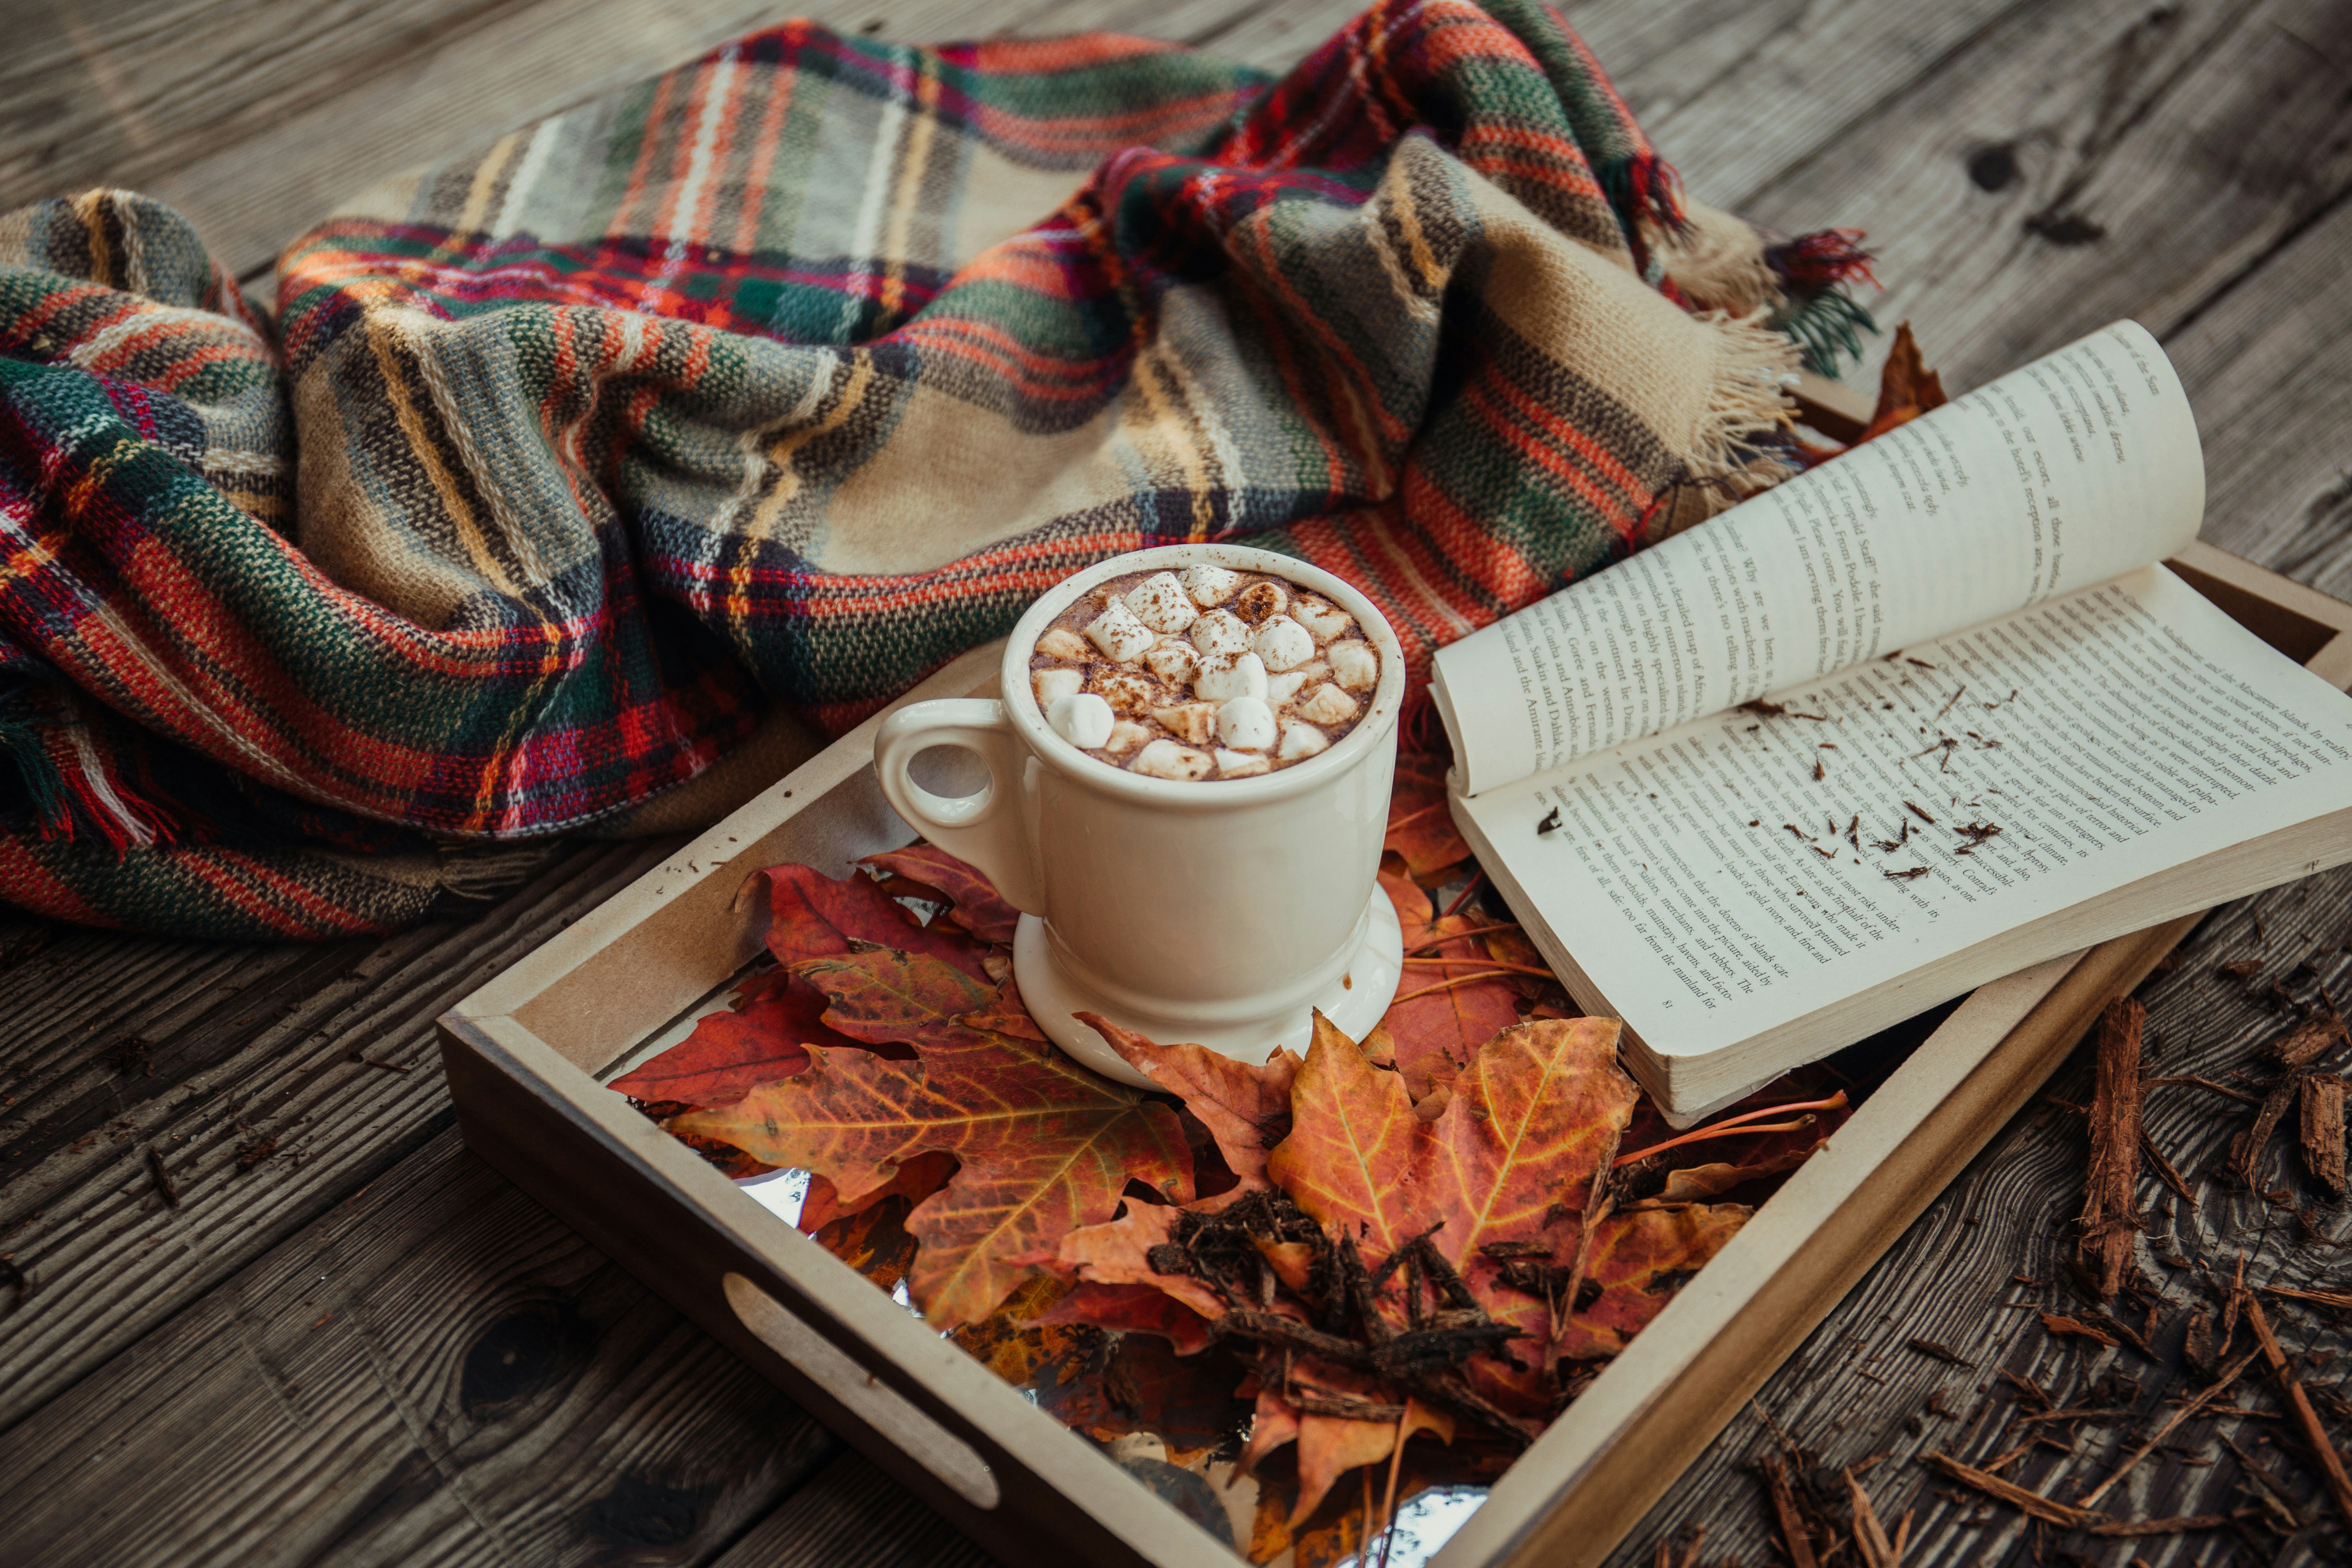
[1354,1002]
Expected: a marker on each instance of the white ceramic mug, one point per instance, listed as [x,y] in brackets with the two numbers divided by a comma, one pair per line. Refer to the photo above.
[1222,911]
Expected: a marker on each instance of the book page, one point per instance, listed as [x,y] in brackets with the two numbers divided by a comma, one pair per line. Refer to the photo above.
[1739,873]
[2080,467]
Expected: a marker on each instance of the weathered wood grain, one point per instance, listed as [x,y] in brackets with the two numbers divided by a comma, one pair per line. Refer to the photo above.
[850,1512]
[2269,365]
[245,1043]
[1855,1389]
[435,1372]
[2070,164]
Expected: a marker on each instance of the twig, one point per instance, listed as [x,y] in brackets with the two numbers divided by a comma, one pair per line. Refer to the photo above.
[2330,1461]
[2009,1492]
[2170,1177]
[2194,1081]
[2091,1498]
[2325,1297]
[1597,1203]
[2129,1527]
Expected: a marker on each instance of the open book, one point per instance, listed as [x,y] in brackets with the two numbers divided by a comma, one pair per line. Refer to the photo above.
[1915,719]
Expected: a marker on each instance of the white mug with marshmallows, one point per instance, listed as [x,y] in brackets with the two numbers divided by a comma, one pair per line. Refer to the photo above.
[1222,911]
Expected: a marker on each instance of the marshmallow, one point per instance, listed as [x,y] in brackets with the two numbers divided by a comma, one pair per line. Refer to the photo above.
[1326,704]
[1281,689]
[1240,764]
[1194,722]
[1226,676]
[1210,585]
[1161,602]
[1261,599]
[1062,643]
[1354,665]
[1120,635]
[1173,660]
[1124,736]
[1220,631]
[1322,619]
[1282,642]
[1053,685]
[1246,724]
[1166,759]
[1082,719]
[1300,739]
[1129,692]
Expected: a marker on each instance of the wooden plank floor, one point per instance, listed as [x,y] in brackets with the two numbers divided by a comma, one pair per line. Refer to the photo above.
[350,1342]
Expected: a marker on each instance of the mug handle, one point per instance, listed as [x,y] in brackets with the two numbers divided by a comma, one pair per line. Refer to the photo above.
[987,829]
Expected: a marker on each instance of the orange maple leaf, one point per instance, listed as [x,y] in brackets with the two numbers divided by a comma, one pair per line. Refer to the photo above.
[1330,1446]
[1244,1106]
[1531,1116]
[1042,1146]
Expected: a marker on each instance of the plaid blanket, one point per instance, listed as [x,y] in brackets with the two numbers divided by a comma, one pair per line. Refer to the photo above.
[744,398]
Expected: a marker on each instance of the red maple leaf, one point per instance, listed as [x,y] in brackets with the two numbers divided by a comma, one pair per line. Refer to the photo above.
[732,1053]
[812,915]
[927,871]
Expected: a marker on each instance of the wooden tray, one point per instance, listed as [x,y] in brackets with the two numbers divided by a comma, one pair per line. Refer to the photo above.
[525,1054]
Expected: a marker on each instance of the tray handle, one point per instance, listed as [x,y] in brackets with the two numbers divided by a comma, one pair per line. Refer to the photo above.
[955,1463]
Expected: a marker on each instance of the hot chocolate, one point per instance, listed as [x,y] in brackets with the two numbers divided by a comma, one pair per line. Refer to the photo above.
[1202,674]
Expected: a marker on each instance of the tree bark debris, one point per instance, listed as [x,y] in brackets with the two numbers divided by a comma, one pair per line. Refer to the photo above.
[2059,1324]
[2331,1463]
[2091,1497]
[1992,1486]
[2110,1219]
[2323,1130]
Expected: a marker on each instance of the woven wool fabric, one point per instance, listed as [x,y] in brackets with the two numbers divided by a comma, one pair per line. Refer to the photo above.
[776,382]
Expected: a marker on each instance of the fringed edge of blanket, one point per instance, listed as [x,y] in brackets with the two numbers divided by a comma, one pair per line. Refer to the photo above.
[75,788]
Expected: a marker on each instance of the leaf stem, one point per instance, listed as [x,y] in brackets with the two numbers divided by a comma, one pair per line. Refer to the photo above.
[1450,984]
[1743,1122]
[1397,822]
[1459,935]
[1514,968]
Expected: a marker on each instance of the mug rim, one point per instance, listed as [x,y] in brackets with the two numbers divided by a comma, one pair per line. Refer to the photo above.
[1020,698]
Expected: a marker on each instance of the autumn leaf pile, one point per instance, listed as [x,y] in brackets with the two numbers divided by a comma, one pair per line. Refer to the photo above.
[1444,1228]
